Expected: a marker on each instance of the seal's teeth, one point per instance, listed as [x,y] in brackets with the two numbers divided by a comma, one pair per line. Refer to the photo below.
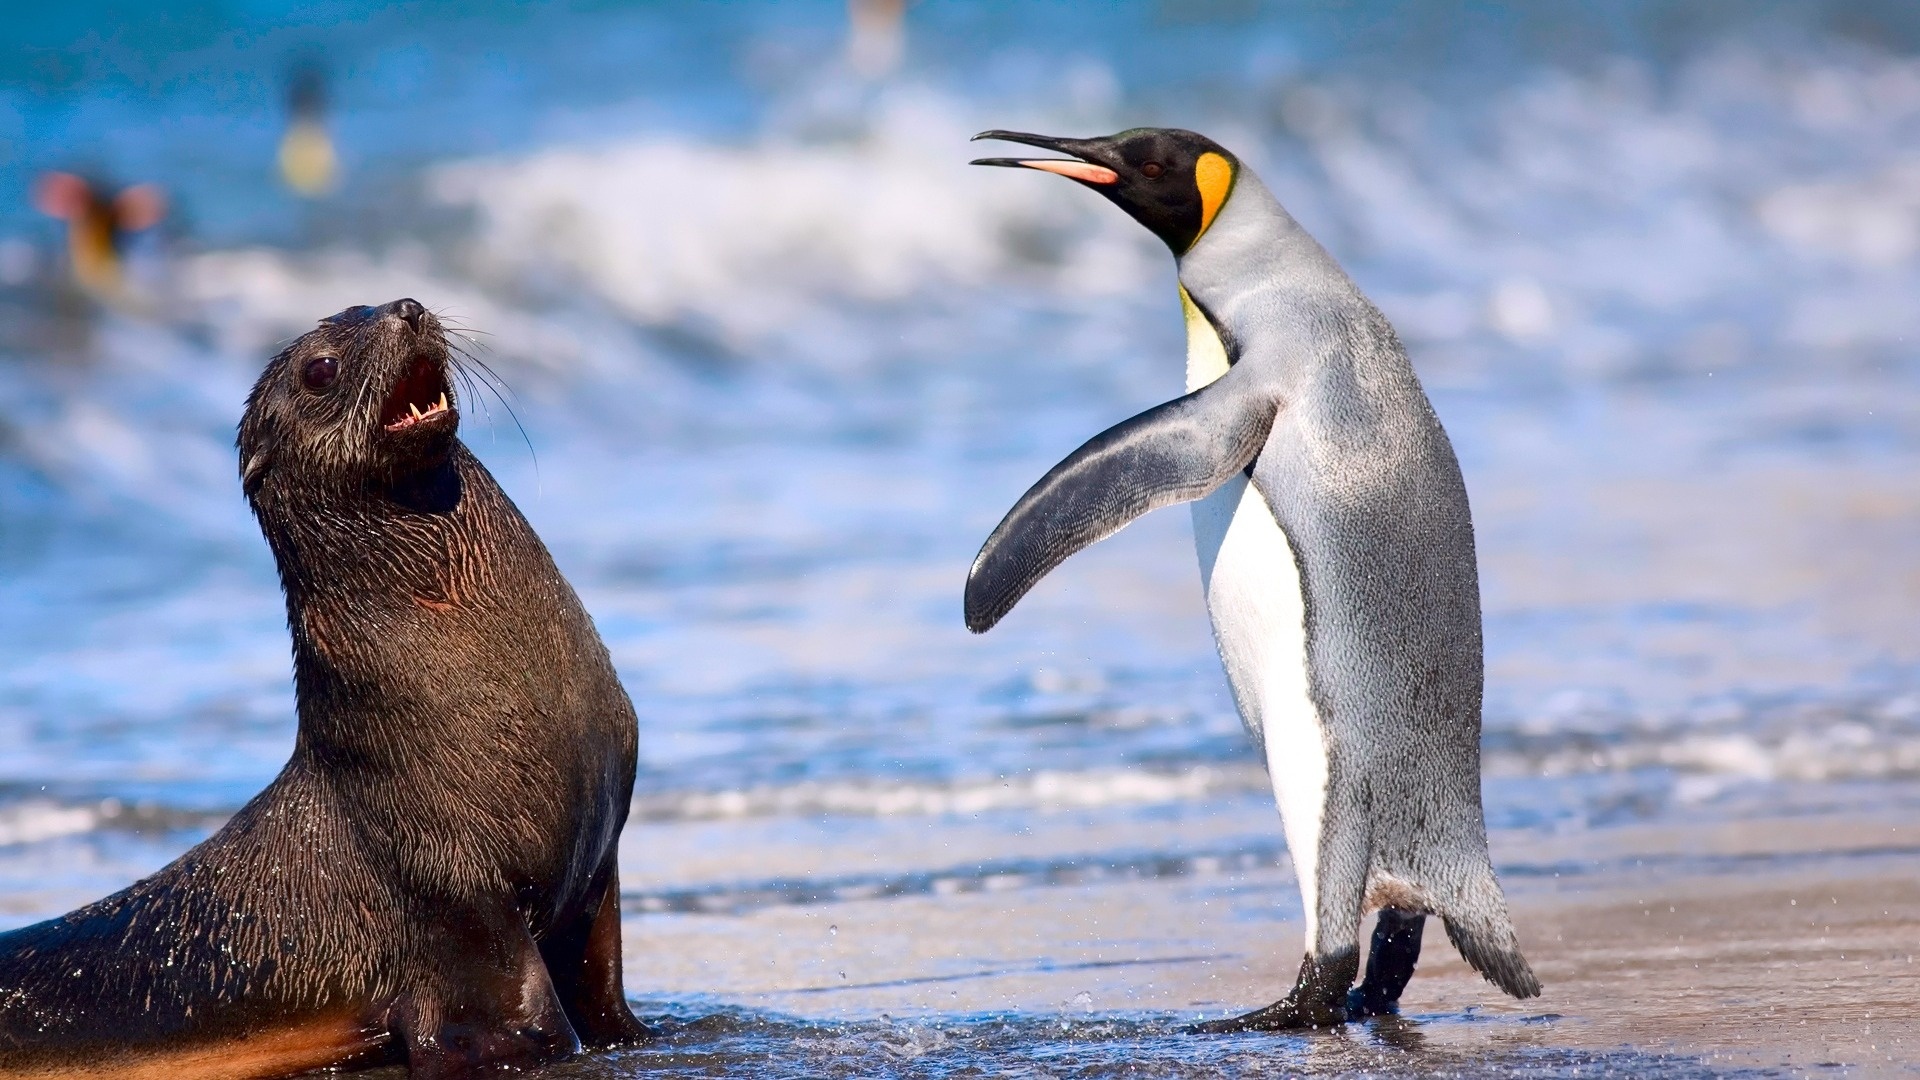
[442,406]
[415,409]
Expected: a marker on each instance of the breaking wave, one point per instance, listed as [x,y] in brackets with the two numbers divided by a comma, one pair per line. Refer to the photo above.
[1806,741]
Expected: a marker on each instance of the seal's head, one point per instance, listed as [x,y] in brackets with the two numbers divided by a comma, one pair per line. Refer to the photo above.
[365,398]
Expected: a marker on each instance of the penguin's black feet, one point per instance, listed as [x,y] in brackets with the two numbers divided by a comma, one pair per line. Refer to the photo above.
[1283,1015]
[1390,961]
[1318,999]
[1363,1002]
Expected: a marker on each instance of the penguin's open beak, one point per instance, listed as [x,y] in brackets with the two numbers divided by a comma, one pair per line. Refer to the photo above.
[1083,169]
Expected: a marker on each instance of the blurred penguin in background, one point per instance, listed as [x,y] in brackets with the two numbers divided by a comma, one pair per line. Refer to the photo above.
[876,36]
[98,225]
[307,161]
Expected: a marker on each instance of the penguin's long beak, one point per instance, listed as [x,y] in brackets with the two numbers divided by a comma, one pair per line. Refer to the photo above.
[1083,168]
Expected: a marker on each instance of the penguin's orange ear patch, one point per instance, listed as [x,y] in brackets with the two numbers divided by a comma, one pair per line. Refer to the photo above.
[1213,174]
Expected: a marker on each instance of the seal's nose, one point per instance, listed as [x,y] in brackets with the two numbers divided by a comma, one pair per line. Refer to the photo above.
[409,310]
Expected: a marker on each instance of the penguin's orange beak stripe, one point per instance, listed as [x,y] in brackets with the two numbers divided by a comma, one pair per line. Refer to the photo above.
[1076,170]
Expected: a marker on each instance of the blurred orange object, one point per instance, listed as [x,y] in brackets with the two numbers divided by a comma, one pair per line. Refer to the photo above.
[877,35]
[97,224]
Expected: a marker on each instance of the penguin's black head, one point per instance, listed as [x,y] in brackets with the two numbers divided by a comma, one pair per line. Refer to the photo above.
[1172,181]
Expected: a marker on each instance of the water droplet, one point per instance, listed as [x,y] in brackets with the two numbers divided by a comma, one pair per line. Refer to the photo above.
[833,931]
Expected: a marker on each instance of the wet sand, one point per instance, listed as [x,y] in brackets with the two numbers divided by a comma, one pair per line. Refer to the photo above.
[1777,932]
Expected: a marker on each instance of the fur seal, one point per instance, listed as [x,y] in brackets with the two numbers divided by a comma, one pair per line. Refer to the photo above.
[431,879]
[1336,552]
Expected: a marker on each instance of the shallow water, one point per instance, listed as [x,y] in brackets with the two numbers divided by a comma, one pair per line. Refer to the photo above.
[727,1041]
[778,361]
[1448,1046]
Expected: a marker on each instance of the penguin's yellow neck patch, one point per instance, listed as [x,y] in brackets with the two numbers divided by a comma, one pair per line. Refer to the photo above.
[1214,175]
[1206,353]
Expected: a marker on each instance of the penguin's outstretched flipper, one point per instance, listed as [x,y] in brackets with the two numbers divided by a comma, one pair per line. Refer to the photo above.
[1172,453]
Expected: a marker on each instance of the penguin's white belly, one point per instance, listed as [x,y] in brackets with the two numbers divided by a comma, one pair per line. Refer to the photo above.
[1260,626]
[1253,594]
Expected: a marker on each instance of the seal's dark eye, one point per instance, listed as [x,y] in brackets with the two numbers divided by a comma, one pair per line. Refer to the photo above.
[320,372]
[1152,170]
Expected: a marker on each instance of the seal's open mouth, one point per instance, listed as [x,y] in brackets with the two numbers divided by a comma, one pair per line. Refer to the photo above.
[420,397]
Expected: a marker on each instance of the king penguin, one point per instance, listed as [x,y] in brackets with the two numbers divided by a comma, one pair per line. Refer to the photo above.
[1336,555]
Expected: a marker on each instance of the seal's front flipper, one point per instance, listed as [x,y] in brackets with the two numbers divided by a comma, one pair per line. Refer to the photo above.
[1318,999]
[1172,453]
[1390,961]
[584,960]
[486,1004]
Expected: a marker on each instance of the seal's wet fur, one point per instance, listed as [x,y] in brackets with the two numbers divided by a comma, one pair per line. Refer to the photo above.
[431,879]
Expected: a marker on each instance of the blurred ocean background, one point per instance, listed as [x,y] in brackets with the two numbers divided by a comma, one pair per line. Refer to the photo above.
[776,360]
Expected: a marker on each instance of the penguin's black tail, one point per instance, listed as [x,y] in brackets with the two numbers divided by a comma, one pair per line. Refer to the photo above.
[1486,941]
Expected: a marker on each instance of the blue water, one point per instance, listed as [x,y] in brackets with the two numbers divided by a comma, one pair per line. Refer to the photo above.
[778,361]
